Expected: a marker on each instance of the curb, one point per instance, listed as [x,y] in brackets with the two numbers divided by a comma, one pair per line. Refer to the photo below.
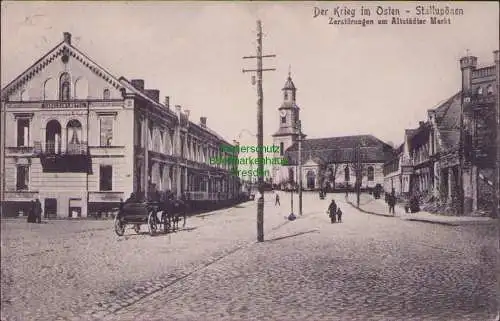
[450,223]
[423,220]
[368,212]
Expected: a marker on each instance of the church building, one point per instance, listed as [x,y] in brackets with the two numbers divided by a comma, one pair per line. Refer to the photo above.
[330,163]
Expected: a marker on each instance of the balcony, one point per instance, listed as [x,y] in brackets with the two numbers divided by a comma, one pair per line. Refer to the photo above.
[55,148]
[74,159]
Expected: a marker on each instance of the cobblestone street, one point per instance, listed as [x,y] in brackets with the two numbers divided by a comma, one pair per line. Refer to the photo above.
[366,268]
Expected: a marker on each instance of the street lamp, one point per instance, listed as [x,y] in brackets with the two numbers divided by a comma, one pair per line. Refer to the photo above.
[299,127]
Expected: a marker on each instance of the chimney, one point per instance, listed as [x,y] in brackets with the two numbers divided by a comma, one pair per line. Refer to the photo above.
[67,37]
[138,84]
[421,123]
[153,94]
[186,112]
[203,122]
[178,108]
[167,102]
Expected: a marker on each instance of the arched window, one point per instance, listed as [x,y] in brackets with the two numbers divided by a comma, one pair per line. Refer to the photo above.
[64,87]
[489,90]
[74,137]
[106,95]
[347,175]
[480,90]
[370,173]
[286,95]
[283,119]
[53,137]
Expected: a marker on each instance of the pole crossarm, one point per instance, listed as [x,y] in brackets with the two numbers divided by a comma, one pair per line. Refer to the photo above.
[263,56]
[257,70]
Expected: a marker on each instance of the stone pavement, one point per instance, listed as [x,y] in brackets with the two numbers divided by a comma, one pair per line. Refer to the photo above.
[370,205]
[65,269]
[366,268]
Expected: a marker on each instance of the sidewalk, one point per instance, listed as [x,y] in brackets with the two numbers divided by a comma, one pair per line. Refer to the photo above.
[378,207]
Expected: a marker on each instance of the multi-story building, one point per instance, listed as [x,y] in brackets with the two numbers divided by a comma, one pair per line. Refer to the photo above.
[80,140]
[451,157]
[393,172]
[326,162]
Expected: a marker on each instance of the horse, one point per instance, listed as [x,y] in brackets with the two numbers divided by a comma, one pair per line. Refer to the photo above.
[174,210]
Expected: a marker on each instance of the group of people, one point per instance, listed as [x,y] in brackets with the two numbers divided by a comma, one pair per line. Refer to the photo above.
[334,212]
[35,212]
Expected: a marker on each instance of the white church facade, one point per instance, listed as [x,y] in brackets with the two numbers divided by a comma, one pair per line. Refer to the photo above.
[327,163]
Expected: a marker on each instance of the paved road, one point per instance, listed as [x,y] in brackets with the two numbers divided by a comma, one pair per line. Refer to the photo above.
[367,268]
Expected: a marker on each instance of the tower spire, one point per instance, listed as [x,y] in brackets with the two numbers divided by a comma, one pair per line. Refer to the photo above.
[289,71]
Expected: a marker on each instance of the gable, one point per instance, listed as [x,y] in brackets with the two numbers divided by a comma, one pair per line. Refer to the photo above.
[42,80]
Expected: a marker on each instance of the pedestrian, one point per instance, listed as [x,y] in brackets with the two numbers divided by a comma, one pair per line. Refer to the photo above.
[38,211]
[346,193]
[277,202]
[392,203]
[31,213]
[332,211]
[339,215]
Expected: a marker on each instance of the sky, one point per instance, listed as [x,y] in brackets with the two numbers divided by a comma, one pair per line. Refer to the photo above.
[378,79]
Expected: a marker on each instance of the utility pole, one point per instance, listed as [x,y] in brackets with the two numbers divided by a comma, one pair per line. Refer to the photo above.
[299,127]
[260,134]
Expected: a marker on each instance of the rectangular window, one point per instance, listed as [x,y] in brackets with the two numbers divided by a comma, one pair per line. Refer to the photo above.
[22,178]
[282,149]
[106,124]
[23,129]
[283,120]
[106,178]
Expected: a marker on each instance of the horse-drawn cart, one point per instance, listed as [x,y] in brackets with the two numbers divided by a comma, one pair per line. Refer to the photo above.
[157,215]
[137,214]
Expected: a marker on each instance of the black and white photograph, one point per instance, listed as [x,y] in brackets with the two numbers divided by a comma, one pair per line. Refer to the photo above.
[250,160]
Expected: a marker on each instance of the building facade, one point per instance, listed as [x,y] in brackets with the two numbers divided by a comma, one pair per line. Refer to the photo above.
[329,163]
[449,160]
[80,140]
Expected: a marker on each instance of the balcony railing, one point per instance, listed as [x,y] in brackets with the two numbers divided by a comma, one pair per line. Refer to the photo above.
[77,148]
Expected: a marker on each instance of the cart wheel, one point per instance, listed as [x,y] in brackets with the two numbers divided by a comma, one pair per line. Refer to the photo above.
[152,223]
[137,228]
[119,227]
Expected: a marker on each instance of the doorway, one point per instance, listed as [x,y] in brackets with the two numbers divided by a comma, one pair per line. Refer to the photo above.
[50,208]
[75,207]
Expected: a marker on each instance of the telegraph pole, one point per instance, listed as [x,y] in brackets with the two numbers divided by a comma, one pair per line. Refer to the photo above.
[358,173]
[260,134]
[299,127]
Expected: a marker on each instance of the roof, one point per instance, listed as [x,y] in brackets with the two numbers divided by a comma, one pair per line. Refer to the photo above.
[448,122]
[289,84]
[65,47]
[342,149]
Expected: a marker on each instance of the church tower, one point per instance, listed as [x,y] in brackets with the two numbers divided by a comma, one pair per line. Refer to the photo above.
[288,132]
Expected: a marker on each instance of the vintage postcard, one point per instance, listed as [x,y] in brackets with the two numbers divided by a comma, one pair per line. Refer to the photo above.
[232,160]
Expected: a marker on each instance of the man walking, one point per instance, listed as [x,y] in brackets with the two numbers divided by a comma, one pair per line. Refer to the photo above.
[392,203]
[277,202]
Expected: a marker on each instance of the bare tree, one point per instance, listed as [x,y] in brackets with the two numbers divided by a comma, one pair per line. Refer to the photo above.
[359,170]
